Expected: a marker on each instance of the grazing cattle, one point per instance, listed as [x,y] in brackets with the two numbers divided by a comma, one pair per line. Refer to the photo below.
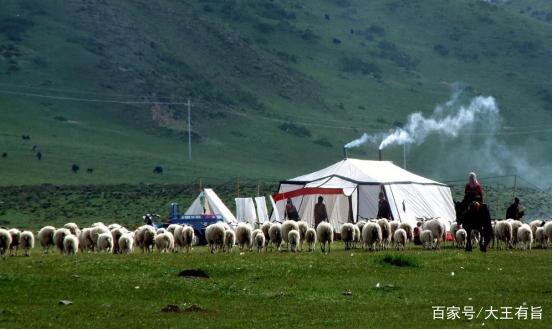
[89,170]
[4,154]
[158,170]
[39,155]
[75,168]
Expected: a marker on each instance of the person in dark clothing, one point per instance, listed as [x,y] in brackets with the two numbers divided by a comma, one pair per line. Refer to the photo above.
[514,212]
[473,190]
[320,214]
[384,210]
[290,212]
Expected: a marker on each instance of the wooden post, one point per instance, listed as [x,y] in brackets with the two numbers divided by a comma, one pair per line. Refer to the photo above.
[237,187]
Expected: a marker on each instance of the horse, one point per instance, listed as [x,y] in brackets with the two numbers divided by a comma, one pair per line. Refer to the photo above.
[475,216]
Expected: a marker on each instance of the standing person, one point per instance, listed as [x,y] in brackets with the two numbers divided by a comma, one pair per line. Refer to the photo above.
[290,211]
[473,190]
[320,214]
[384,210]
[514,212]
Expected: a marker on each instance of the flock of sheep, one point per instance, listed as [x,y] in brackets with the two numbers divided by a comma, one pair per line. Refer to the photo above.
[376,234]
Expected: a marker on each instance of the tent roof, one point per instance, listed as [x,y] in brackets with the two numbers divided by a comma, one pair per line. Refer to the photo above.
[362,172]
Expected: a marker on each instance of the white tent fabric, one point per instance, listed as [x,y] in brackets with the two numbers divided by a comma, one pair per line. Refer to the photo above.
[245,210]
[208,202]
[262,213]
[274,214]
[410,196]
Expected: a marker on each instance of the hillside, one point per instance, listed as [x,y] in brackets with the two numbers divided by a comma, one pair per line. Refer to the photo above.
[277,86]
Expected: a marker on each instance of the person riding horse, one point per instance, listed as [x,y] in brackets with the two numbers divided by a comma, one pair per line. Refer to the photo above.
[473,214]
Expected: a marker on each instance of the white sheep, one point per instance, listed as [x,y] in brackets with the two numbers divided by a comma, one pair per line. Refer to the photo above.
[294,240]
[244,235]
[172,228]
[325,235]
[254,233]
[394,225]
[85,240]
[160,231]
[275,235]
[438,231]
[96,224]
[70,244]
[286,227]
[126,243]
[265,229]
[534,225]
[475,237]
[515,224]
[360,225]
[95,232]
[177,233]
[117,233]
[348,235]
[547,229]
[46,237]
[386,232]
[16,235]
[400,238]
[215,236]
[73,228]
[310,239]
[59,235]
[372,235]
[503,233]
[524,237]
[427,239]
[541,239]
[259,242]
[187,238]
[5,242]
[105,242]
[113,226]
[27,242]
[164,242]
[408,230]
[461,238]
[453,230]
[302,228]
[356,236]
[144,238]
[230,240]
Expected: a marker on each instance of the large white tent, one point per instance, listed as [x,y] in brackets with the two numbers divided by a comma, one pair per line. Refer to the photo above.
[208,202]
[350,190]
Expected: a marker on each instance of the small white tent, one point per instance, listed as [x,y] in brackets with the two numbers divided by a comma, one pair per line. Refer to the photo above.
[208,202]
[245,210]
[350,189]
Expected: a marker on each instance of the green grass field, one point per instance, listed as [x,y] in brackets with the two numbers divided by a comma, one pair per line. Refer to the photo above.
[273,290]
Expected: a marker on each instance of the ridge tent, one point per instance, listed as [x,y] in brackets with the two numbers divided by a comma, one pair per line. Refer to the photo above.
[245,210]
[208,202]
[350,190]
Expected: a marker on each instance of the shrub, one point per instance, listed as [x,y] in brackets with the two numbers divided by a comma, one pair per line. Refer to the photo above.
[294,129]
[400,260]
[357,65]
[441,49]
[323,142]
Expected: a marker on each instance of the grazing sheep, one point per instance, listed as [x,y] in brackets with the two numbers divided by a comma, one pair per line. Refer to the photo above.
[70,244]
[59,235]
[230,240]
[503,233]
[46,237]
[144,238]
[265,229]
[294,240]
[438,231]
[394,225]
[547,229]
[541,239]
[372,235]
[117,233]
[275,235]
[95,232]
[534,225]
[348,235]
[254,233]
[244,235]
[187,238]
[259,241]
[172,228]
[453,230]
[386,232]
[85,240]
[164,242]
[400,238]
[286,227]
[325,235]
[16,235]
[516,225]
[160,231]
[310,239]
[475,237]
[105,243]
[177,233]
[5,242]
[356,236]
[126,243]
[114,226]
[360,225]
[427,239]
[73,228]
[215,236]
[302,227]
[408,230]
[27,242]
[461,238]
[524,237]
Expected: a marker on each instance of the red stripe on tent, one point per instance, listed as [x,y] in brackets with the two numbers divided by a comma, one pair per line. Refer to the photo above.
[307,191]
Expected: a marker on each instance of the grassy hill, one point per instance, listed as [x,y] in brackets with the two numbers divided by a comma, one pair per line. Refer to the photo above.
[277,86]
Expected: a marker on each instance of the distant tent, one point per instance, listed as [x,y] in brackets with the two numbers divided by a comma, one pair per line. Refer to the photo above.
[208,202]
[262,213]
[350,189]
[245,210]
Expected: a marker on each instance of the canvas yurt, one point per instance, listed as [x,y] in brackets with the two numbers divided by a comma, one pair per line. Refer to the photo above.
[350,190]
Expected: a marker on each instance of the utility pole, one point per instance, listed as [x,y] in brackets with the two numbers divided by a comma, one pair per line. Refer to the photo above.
[189,132]
[515,187]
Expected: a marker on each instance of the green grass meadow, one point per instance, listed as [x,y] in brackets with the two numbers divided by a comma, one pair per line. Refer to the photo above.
[274,289]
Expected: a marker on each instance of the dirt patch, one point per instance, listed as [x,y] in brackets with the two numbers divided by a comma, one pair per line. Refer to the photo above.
[171,308]
[194,273]
[195,309]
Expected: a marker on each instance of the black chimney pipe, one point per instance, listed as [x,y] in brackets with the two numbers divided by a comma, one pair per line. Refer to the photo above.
[379,154]
[345,153]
